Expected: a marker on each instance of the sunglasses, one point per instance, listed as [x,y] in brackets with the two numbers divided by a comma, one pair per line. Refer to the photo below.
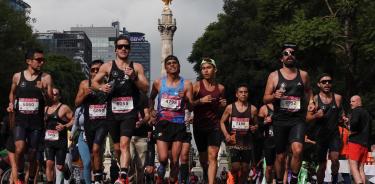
[326,82]
[39,60]
[288,53]
[126,46]
[94,70]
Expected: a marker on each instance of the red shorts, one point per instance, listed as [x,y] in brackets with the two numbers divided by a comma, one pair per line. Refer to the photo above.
[357,152]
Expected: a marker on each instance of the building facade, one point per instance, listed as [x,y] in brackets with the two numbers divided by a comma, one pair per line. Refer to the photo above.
[75,45]
[140,51]
[19,5]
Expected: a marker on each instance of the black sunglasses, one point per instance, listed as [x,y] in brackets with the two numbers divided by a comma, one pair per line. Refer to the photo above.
[39,60]
[126,46]
[326,82]
[94,70]
[288,53]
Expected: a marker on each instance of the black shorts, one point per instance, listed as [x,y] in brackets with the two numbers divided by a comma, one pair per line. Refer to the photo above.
[205,138]
[30,136]
[269,155]
[332,145]
[285,135]
[9,145]
[96,134]
[187,138]
[237,155]
[56,154]
[169,132]
[120,128]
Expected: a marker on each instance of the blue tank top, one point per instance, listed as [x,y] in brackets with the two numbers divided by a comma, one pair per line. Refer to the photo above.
[170,104]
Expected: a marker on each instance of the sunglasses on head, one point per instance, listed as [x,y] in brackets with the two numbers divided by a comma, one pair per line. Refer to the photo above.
[39,60]
[94,70]
[126,46]
[326,82]
[288,53]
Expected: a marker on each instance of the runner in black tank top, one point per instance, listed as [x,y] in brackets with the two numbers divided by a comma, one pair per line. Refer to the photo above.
[242,118]
[327,116]
[266,127]
[95,118]
[58,118]
[26,104]
[125,80]
[288,89]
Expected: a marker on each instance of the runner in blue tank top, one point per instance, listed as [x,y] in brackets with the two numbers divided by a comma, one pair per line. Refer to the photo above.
[173,92]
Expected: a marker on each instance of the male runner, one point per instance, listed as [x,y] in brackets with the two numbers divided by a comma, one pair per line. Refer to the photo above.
[173,93]
[58,118]
[125,80]
[95,116]
[288,89]
[327,116]
[209,102]
[30,90]
[240,138]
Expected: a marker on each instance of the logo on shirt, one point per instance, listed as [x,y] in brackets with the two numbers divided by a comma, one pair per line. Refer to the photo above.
[115,74]
[23,84]
[299,84]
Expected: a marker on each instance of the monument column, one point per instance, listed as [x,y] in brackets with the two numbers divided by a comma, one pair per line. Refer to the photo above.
[166,27]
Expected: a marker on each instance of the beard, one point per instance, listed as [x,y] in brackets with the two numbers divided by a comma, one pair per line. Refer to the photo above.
[291,64]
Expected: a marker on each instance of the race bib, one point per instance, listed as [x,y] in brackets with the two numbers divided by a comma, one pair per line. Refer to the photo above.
[51,135]
[28,105]
[290,103]
[98,111]
[122,104]
[170,102]
[240,124]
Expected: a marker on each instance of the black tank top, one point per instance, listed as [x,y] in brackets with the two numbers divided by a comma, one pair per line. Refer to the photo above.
[95,109]
[51,122]
[329,122]
[29,103]
[207,116]
[124,97]
[239,124]
[269,141]
[291,108]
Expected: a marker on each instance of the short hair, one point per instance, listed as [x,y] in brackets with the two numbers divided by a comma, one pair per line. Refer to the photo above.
[30,53]
[122,37]
[171,57]
[324,75]
[98,61]
[242,85]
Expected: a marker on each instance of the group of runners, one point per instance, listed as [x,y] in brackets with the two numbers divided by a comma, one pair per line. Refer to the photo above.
[114,101]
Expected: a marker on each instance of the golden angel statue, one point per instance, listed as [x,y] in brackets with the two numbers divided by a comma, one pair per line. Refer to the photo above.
[167,2]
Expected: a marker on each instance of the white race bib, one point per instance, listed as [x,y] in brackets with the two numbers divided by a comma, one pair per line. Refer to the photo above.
[98,111]
[240,124]
[122,104]
[290,103]
[51,135]
[170,102]
[28,105]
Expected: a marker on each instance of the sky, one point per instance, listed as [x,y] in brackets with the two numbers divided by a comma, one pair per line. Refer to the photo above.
[192,16]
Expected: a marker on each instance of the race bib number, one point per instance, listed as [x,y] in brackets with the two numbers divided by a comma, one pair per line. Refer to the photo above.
[98,111]
[51,135]
[170,102]
[240,124]
[122,104]
[290,103]
[28,105]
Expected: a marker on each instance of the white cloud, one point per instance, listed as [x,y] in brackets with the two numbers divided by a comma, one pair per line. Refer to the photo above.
[192,16]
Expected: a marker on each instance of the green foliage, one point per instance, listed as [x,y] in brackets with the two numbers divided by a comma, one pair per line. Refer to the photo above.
[66,76]
[334,36]
[15,36]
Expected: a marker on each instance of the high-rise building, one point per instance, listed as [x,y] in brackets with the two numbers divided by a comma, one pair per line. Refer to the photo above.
[102,39]
[19,5]
[140,51]
[74,45]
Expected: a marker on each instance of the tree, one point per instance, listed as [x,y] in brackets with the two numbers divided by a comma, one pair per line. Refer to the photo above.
[66,76]
[15,37]
[334,36]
